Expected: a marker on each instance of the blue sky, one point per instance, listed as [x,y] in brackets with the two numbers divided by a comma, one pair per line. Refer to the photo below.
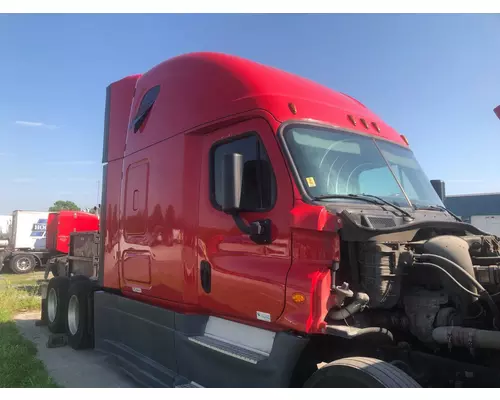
[435,78]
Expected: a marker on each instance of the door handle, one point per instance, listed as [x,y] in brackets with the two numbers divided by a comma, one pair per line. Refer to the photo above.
[206,276]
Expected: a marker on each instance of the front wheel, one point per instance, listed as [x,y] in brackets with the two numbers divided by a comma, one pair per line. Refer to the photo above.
[360,372]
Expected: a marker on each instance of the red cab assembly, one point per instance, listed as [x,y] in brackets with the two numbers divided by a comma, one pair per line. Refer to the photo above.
[61,224]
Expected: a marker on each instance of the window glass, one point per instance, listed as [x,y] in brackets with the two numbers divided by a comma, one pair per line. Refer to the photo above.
[332,162]
[146,104]
[258,191]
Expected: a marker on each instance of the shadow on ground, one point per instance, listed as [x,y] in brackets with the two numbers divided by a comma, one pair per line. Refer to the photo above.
[68,367]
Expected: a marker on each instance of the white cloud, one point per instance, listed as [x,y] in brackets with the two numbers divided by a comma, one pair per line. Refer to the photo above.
[22,180]
[36,124]
[72,162]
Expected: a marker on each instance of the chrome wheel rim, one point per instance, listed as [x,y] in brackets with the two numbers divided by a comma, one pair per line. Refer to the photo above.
[23,264]
[73,314]
[52,305]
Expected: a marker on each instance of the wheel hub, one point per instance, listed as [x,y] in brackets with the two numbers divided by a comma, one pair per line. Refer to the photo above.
[23,264]
[73,314]
[52,305]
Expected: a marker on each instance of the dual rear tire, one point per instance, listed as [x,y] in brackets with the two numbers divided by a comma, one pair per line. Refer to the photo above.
[68,309]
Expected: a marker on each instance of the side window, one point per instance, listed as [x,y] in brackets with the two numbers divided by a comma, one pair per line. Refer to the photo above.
[146,104]
[259,184]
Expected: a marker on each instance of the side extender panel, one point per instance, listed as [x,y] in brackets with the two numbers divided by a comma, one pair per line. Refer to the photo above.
[161,348]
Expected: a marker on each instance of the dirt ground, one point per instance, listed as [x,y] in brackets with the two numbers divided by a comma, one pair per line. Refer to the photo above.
[70,368]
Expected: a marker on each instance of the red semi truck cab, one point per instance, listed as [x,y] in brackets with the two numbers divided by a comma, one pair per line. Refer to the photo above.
[300,142]
[255,224]
[61,223]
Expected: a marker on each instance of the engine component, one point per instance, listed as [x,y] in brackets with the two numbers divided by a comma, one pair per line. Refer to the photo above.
[455,249]
[483,246]
[483,293]
[360,301]
[351,332]
[422,307]
[467,337]
[381,273]
[341,293]
[488,275]
[448,316]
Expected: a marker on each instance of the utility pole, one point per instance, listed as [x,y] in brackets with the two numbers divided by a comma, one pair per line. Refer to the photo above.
[98,190]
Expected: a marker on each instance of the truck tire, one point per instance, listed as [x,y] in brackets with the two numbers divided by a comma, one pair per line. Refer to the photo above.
[360,372]
[57,303]
[22,263]
[79,320]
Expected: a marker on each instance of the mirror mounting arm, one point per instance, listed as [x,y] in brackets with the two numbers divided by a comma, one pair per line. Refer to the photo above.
[259,231]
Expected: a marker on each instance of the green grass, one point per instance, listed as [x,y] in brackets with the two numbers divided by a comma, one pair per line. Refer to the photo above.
[9,279]
[19,366]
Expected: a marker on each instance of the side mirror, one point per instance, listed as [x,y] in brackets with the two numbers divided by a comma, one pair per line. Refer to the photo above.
[232,182]
[439,187]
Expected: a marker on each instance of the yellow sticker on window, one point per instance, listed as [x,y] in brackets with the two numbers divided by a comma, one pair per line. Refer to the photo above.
[311,182]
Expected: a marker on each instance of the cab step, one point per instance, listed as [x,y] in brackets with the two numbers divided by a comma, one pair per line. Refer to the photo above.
[230,349]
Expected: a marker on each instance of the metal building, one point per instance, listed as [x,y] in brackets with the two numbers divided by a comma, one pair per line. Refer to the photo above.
[481,210]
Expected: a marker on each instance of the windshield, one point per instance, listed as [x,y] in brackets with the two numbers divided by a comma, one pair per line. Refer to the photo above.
[332,162]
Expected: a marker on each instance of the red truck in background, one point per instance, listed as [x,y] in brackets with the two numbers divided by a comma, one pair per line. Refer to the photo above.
[49,239]
[310,249]
[59,227]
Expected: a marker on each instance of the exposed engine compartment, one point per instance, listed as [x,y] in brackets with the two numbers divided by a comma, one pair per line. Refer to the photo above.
[437,289]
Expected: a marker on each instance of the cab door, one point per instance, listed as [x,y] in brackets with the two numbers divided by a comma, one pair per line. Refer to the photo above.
[239,277]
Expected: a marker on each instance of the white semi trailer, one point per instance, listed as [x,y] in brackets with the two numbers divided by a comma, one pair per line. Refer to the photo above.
[23,244]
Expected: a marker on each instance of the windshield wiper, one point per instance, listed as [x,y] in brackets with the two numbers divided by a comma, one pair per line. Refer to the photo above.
[440,208]
[365,197]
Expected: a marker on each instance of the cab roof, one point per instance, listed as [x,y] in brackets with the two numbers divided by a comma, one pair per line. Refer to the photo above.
[198,88]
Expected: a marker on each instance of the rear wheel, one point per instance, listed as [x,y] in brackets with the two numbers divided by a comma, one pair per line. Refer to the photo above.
[79,320]
[360,372]
[22,263]
[56,304]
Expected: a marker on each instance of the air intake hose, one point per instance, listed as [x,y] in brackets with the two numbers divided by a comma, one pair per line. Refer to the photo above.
[360,301]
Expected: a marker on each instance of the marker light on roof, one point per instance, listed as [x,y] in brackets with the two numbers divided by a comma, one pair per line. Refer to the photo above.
[376,126]
[405,140]
[363,121]
[351,118]
[292,108]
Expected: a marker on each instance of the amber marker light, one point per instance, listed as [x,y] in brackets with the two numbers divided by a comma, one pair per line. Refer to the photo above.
[298,298]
